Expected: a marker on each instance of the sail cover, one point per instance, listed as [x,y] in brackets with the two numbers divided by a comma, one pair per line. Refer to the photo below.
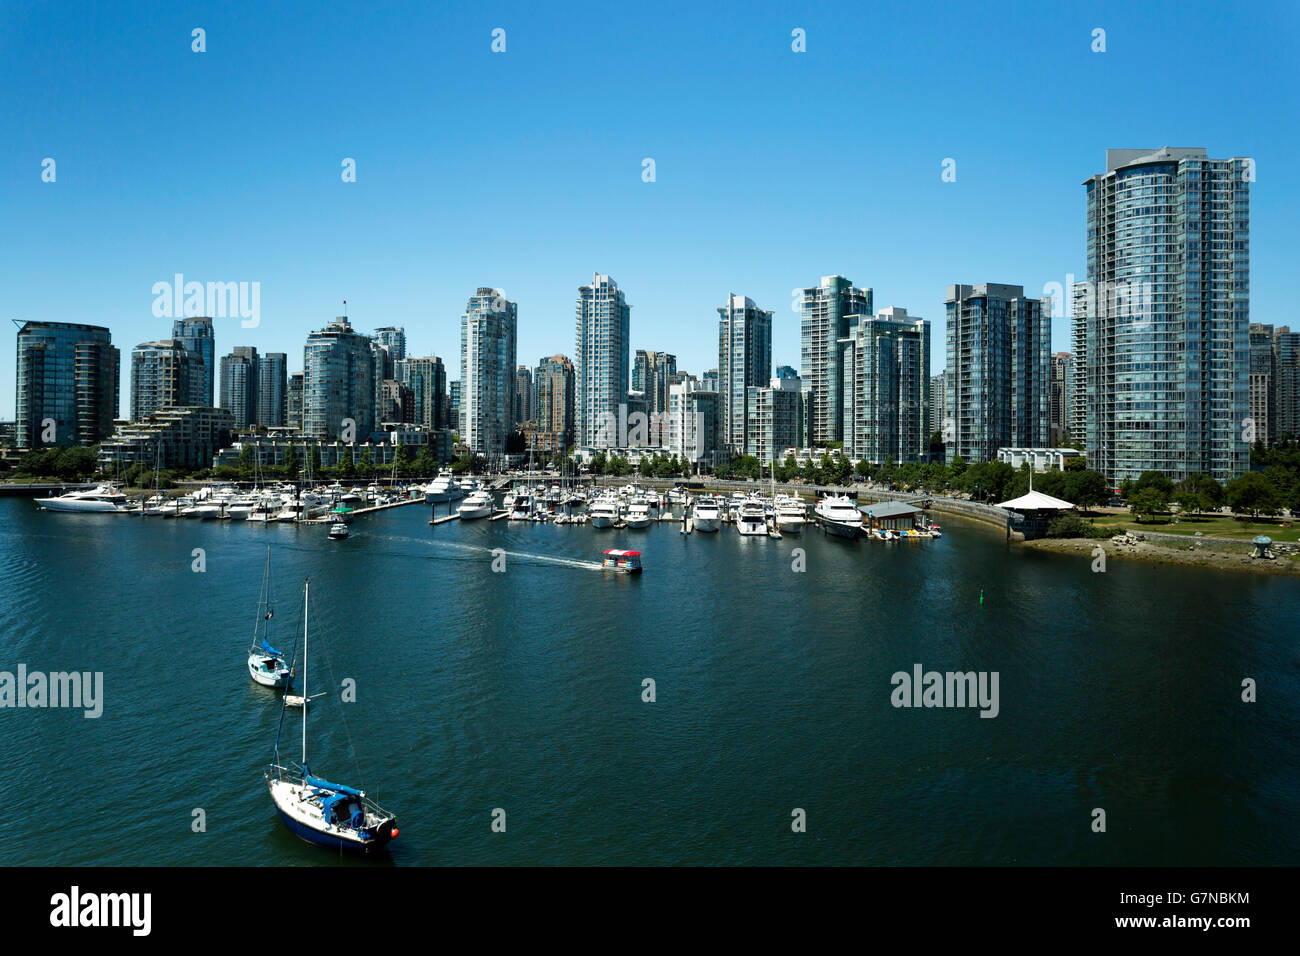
[326,785]
[269,649]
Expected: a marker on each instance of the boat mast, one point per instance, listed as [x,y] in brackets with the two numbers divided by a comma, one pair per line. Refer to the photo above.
[305,592]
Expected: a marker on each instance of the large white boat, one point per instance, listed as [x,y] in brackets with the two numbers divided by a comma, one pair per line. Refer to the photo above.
[839,515]
[790,513]
[604,513]
[638,515]
[101,498]
[443,488]
[266,508]
[706,515]
[477,505]
[520,507]
[751,518]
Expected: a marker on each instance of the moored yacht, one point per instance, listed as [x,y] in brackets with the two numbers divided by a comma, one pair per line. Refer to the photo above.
[442,488]
[604,513]
[706,515]
[790,513]
[477,505]
[839,515]
[751,518]
[638,515]
[101,498]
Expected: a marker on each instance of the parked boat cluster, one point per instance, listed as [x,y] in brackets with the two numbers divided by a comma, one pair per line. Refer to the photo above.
[223,501]
[630,506]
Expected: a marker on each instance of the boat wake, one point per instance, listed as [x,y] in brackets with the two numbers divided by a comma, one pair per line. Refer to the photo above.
[489,552]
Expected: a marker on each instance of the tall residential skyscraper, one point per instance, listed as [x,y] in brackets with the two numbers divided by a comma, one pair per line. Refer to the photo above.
[555,404]
[454,409]
[338,383]
[1286,401]
[998,365]
[886,399]
[67,376]
[525,397]
[195,333]
[162,374]
[652,373]
[709,380]
[393,338]
[272,389]
[938,403]
[1059,385]
[487,371]
[293,402]
[239,381]
[1078,412]
[823,321]
[602,363]
[427,380]
[1262,378]
[744,360]
[1165,314]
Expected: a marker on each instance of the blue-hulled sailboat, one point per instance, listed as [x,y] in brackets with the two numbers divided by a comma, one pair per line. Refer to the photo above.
[327,814]
[266,664]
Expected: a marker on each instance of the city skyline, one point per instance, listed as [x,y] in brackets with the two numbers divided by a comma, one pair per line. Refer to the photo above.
[272,208]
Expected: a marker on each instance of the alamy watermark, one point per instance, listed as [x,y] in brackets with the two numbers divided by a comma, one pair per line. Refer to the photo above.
[923,688]
[76,690]
[641,430]
[218,300]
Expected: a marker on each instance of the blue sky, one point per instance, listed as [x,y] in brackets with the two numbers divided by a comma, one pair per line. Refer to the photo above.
[522,170]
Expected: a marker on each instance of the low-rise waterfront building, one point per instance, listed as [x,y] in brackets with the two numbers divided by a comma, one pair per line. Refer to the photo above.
[182,437]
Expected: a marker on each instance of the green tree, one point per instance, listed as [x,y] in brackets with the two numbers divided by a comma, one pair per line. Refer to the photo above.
[1087,488]
[290,467]
[1254,494]
[1149,501]
[402,462]
[1154,479]
[366,466]
[247,462]
[425,464]
[1198,492]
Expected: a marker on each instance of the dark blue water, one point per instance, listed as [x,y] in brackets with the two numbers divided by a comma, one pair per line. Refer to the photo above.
[522,690]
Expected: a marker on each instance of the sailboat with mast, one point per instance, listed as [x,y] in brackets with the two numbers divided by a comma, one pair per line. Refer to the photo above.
[265,663]
[326,814]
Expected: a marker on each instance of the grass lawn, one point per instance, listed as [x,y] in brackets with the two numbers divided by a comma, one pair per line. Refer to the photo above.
[1212,526]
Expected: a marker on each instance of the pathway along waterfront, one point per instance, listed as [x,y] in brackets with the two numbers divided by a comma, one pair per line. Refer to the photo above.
[523,690]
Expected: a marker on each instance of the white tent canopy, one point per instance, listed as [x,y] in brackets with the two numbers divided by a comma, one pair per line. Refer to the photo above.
[1035,501]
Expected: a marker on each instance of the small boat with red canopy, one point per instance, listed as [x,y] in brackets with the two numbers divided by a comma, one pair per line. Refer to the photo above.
[628,562]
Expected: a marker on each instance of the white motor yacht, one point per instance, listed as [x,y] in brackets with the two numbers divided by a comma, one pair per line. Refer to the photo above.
[638,515]
[751,518]
[604,512]
[791,513]
[839,515]
[443,488]
[706,515]
[477,505]
[102,498]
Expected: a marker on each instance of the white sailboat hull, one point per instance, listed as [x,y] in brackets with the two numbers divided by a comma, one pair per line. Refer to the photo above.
[264,676]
